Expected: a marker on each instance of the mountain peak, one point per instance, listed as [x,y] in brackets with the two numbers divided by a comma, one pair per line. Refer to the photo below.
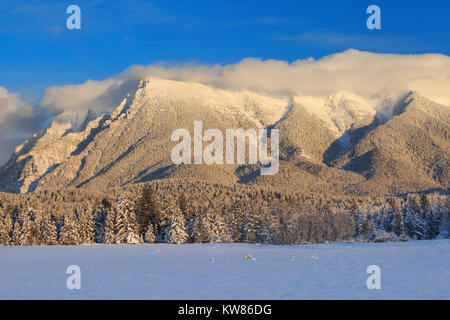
[320,137]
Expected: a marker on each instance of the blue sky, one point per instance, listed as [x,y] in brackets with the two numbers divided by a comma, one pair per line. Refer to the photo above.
[37,51]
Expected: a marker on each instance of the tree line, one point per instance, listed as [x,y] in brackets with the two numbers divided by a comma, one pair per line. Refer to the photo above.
[152,215]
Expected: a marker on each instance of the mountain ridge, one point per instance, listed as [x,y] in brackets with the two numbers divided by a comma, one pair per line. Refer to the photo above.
[350,150]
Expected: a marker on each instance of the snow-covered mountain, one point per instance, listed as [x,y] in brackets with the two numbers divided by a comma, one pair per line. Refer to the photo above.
[339,143]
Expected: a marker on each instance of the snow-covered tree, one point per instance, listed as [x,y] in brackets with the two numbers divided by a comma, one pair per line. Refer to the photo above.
[148,209]
[175,227]
[414,224]
[16,228]
[218,230]
[433,222]
[397,222]
[366,226]
[5,228]
[443,209]
[70,232]
[190,227]
[264,222]
[29,230]
[149,236]
[202,227]
[250,228]
[110,227]
[49,233]
[126,224]
[99,225]
[236,220]
[86,221]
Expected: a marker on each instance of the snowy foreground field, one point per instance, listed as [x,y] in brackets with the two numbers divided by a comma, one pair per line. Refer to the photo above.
[411,270]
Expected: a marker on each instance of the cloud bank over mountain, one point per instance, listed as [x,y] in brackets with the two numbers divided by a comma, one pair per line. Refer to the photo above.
[18,120]
[370,76]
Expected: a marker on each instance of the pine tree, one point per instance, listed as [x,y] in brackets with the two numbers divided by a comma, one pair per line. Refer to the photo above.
[175,229]
[121,224]
[218,230]
[70,232]
[150,234]
[398,217]
[110,227]
[27,232]
[433,222]
[190,226]
[366,226]
[182,204]
[420,215]
[133,235]
[264,222]
[100,221]
[49,234]
[274,229]
[86,224]
[443,212]
[202,228]
[424,203]
[148,209]
[354,213]
[414,224]
[409,221]
[237,220]
[250,233]
[4,229]
[126,224]
[17,229]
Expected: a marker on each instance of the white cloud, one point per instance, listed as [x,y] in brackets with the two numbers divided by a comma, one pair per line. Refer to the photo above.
[18,120]
[362,73]
[94,95]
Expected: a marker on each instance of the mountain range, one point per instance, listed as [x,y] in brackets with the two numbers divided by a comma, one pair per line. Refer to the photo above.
[339,144]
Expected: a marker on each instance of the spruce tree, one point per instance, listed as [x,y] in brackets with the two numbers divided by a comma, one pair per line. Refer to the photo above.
[86,224]
[236,222]
[110,227]
[424,203]
[99,225]
[150,234]
[175,229]
[148,209]
[27,233]
[70,232]
[121,224]
[414,222]
[398,217]
[264,223]
[126,224]
[49,234]
[433,222]
[354,213]
[190,226]
[212,228]
[366,226]
[445,219]
[202,228]
[17,229]
[182,204]
[4,229]
[133,234]
[251,226]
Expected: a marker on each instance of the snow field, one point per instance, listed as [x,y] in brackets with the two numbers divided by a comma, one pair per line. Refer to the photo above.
[409,270]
